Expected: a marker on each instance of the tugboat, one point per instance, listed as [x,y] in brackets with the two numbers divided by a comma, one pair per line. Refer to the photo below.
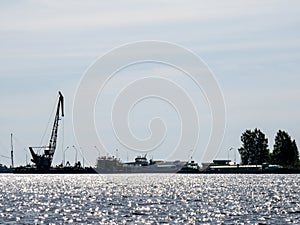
[190,167]
[42,162]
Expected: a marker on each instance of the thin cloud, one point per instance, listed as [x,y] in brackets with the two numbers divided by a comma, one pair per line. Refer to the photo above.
[56,16]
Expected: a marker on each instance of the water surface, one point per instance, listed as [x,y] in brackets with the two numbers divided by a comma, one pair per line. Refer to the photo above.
[150,199]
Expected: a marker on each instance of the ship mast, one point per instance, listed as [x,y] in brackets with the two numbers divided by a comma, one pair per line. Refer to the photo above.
[43,162]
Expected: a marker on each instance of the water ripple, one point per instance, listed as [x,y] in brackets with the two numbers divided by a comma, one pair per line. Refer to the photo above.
[149,199]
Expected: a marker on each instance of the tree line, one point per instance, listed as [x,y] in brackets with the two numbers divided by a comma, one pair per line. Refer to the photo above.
[255,150]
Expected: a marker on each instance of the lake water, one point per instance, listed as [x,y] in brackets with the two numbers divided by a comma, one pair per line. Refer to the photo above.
[150,199]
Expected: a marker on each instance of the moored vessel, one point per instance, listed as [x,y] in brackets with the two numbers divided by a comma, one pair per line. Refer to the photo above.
[140,165]
[5,169]
[190,167]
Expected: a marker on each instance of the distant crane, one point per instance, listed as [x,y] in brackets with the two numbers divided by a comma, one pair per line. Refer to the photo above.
[43,161]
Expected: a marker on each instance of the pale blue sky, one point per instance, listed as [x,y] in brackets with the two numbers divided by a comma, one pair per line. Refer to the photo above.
[253,48]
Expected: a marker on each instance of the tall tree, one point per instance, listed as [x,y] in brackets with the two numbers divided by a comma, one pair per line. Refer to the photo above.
[254,150]
[285,151]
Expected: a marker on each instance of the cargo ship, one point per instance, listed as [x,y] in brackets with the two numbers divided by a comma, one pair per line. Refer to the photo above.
[107,165]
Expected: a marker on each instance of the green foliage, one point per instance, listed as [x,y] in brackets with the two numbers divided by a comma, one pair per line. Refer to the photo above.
[254,150]
[285,151]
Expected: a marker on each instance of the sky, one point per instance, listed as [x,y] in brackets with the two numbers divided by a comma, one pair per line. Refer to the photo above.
[252,47]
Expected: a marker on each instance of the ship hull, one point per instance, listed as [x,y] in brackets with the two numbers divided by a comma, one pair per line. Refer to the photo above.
[115,167]
[64,170]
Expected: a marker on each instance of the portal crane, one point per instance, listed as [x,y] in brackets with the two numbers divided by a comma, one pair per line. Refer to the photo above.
[43,161]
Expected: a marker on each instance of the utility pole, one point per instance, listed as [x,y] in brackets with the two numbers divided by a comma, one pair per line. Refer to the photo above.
[64,156]
[97,151]
[117,155]
[12,151]
[26,157]
[234,156]
[229,151]
[191,155]
[75,153]
[82,156]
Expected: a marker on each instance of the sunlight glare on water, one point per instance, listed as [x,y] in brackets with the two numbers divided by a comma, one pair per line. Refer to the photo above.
[150,198]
